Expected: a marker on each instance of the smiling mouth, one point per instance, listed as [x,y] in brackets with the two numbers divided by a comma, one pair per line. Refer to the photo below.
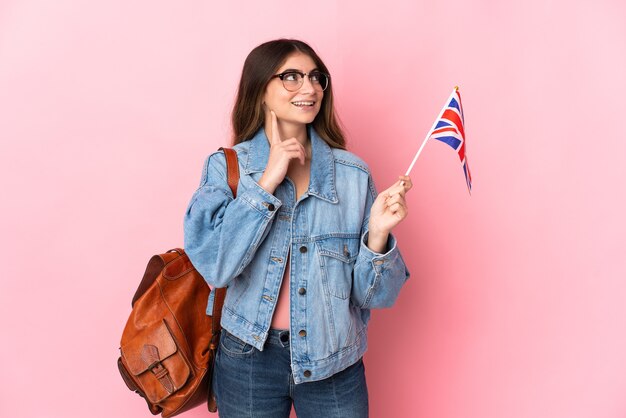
[304,103]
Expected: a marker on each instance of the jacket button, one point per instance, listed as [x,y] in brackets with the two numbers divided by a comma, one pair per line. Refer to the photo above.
[271,207]
[307,373]
[302,333]
[302,291]
[303,249]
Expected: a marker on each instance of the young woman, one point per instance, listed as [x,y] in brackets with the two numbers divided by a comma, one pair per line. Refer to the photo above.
[305,248]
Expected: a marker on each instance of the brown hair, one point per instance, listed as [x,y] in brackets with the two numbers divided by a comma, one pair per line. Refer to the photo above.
[260,65]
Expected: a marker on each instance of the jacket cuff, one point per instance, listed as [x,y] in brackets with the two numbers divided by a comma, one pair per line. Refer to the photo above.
[261,200]
[379,261]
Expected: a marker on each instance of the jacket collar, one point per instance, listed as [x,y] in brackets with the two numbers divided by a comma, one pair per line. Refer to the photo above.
[322,179]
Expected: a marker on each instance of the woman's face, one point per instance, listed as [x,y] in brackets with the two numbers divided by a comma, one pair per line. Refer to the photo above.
[281,100]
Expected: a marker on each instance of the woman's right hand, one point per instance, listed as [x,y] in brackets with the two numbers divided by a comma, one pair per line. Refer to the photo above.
[281,154]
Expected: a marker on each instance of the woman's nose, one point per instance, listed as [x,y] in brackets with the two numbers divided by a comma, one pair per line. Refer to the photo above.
[307,86]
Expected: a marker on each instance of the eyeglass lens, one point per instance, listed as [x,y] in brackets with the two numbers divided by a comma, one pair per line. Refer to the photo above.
[293,81]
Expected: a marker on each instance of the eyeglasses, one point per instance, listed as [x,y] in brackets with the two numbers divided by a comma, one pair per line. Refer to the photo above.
[292,80]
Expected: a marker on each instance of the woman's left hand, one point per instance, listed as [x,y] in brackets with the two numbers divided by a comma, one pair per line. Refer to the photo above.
[389,208]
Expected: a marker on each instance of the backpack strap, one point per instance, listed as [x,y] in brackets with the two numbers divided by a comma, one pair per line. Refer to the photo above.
[232,170]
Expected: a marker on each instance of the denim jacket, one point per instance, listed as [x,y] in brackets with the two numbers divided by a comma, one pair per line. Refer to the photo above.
[336,279]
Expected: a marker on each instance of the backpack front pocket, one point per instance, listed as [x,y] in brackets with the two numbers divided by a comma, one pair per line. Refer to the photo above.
[156,362]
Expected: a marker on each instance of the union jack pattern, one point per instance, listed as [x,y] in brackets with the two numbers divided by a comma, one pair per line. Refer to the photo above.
[450,130]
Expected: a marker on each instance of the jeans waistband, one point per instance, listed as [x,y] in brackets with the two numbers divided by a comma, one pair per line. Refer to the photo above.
[278,337]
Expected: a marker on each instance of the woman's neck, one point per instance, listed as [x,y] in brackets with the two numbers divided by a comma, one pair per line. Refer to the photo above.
[288,130]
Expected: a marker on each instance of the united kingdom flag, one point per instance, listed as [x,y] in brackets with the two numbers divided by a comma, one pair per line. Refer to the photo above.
[450,129]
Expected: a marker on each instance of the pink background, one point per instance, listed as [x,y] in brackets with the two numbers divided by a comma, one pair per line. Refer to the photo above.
[516,305]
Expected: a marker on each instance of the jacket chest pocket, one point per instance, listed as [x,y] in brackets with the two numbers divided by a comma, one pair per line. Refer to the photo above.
[337,257]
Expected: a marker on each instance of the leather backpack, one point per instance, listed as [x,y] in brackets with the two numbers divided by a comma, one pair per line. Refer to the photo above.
[169,342]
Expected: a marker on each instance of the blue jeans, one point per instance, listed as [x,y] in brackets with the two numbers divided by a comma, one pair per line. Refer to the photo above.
[252,383]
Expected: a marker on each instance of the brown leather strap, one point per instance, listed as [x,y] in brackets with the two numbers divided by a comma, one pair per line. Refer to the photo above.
[232,170]
[152,360]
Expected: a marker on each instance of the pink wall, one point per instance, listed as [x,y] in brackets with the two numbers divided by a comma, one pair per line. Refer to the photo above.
[516,304]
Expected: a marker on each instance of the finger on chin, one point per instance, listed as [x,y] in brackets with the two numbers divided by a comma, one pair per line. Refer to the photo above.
[275,135]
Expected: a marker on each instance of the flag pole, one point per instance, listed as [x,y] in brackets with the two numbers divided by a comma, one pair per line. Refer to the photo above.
[431,130]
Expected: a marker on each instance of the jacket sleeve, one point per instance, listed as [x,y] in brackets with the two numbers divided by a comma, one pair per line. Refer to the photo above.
[222,234]
[378,277]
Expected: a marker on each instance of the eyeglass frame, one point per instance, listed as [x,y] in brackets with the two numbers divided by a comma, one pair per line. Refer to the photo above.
[284,73]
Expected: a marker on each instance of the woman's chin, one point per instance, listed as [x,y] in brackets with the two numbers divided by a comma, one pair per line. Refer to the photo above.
[301,119]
